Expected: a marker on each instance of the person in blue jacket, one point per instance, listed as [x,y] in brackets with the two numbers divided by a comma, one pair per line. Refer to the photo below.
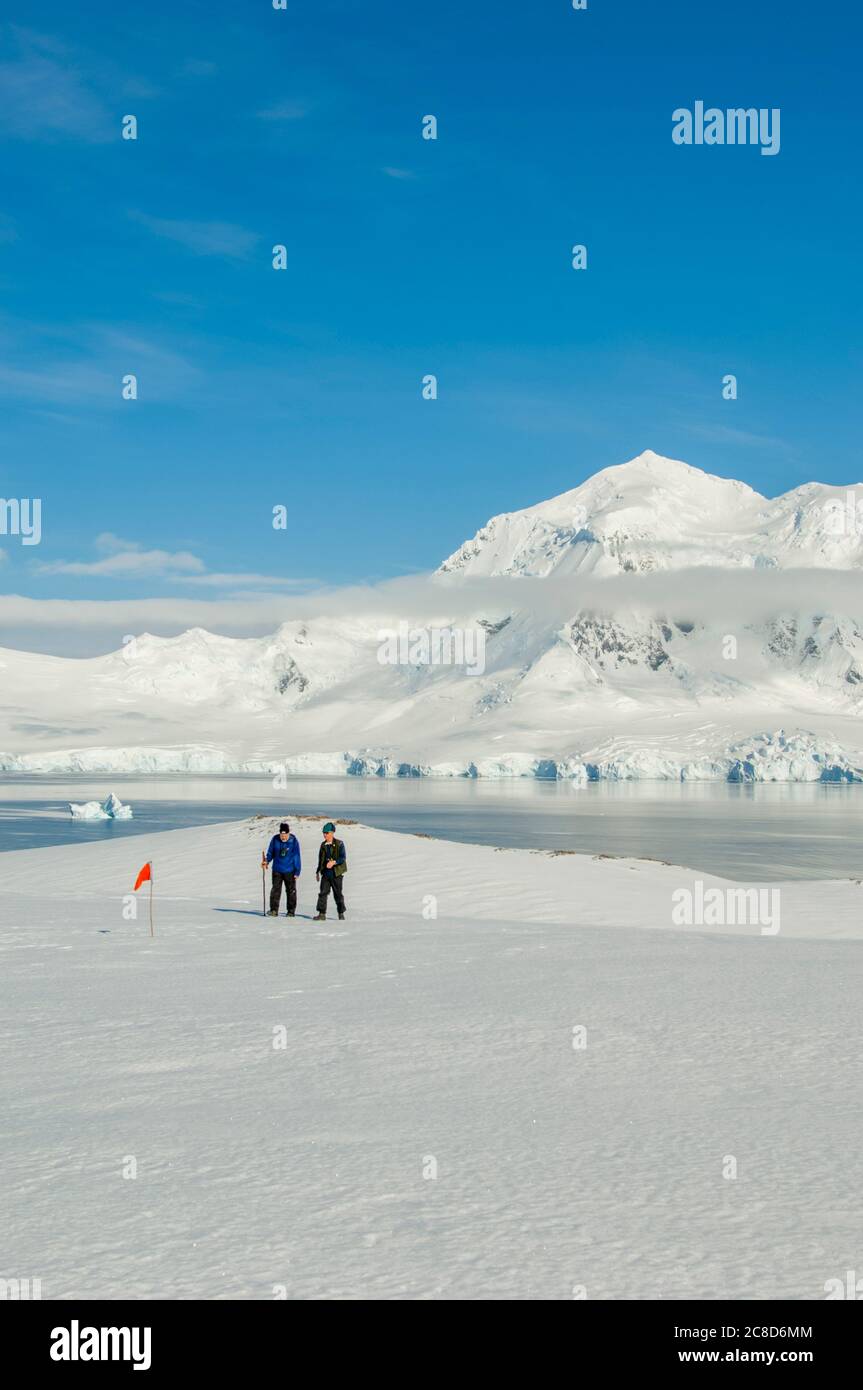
[284,855]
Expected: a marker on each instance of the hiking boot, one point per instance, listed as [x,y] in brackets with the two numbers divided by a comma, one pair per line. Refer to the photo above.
[290,914]
[319,918]
[341,916]
[271,913]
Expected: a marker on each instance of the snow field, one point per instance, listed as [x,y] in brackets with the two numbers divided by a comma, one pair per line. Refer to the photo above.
[535,1091]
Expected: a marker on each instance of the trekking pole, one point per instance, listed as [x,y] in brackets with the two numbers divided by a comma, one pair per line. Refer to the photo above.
[264,888]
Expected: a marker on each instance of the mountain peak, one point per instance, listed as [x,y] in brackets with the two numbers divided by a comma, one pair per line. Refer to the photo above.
[660,469]
[649,458]
[651,513]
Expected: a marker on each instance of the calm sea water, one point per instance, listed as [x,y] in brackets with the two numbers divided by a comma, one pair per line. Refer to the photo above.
[742,832]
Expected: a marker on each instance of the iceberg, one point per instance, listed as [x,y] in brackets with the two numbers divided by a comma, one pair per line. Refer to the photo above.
[111,808]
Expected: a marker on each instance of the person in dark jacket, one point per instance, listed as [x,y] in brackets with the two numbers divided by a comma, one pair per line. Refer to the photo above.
[284,855]
[332,867]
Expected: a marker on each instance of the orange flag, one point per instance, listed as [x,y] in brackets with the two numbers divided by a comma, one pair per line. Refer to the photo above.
[143,876]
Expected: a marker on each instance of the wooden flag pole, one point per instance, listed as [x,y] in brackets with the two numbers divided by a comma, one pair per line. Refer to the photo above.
[151,898]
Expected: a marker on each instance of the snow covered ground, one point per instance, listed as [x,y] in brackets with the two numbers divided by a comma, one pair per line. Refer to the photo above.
[436,1123]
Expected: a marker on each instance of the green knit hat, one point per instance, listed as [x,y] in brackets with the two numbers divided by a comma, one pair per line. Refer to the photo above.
[329,827]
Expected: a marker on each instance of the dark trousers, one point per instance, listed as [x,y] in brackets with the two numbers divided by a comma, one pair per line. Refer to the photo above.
[290,882]
[330,882]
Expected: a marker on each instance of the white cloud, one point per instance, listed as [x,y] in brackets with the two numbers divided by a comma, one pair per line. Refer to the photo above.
[45,94]
[123,559]
[129,564]
[725,434]
[198,67]
[107,541]
[83,364]
[65,382]
[706,595]
[247,581]
[284,111]
[73,627]
[225,239]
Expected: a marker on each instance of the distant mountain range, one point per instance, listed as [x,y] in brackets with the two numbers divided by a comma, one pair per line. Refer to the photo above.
[627,630]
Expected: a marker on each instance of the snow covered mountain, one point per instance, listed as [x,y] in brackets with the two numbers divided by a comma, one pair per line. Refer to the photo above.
[653,622]
[658,513]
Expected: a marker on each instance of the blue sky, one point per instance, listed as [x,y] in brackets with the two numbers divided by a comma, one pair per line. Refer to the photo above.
[405,257]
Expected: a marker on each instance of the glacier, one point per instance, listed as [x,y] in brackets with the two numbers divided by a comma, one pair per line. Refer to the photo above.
[764,757]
